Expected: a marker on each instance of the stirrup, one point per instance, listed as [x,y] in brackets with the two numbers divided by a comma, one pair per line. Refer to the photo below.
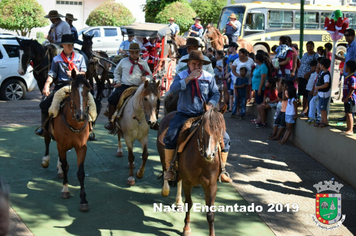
[222,173]
[40,131]
[109,126]
[170,171]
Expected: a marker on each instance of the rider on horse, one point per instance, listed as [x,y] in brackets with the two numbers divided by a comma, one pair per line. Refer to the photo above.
[69,19]
[196,30]
[131,71]
[60,74]
[233,28]
[58,27]
[173,27]
[195,86]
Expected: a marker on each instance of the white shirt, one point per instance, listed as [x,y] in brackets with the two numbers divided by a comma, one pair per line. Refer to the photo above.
[122,72]
[290,107]
[248,64]
[181,66]
[61,29]
[311,81]
[328,93]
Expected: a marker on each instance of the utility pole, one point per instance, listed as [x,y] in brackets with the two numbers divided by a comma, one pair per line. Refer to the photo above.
[301,39]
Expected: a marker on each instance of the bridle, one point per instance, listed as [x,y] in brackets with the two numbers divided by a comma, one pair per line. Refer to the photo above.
[200,141]
[39,64]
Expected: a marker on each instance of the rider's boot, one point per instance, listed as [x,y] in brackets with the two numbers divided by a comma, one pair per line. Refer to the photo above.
[41,130]
[169,173]
[110,124]
[224,177]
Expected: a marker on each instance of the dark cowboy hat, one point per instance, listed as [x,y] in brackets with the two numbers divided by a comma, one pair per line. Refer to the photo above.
[53,15]
[134,47]
[191,42]
[70,17]
[66,39]
[196,18]
[196,55]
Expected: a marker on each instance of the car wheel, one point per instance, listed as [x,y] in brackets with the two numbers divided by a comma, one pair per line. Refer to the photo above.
[12,89]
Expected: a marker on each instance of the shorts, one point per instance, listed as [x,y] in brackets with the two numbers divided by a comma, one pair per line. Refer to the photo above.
[302,84]
[280,120]
[289,119]
[273,105]
[231,92]
[350,106]
[259,99]
[323,103]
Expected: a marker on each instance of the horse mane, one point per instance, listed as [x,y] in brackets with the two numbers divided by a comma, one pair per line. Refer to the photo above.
[151,88]
[214,123]
[80,79]
[217,32]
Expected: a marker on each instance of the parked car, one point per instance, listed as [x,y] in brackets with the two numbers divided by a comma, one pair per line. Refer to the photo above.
[106,38]
[13,86]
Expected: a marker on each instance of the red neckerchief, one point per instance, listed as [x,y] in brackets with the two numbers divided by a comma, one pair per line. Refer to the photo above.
[70,63]
[198,26]
[195,86]
[135,62]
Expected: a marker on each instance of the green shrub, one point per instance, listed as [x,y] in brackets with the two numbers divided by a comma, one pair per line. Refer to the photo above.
[153,7]
[208,10]
[110,13]
[39,35]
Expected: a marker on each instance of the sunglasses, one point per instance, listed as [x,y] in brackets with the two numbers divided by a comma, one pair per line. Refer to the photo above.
[347,35]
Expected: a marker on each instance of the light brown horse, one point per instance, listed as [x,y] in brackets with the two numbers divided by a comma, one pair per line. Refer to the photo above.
[139,114]
[174,45]
[71,130]
[199,162]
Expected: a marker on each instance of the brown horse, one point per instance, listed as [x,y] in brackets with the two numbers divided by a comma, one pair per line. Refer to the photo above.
[199,162]
[174,45]
[71,130]
[138,115]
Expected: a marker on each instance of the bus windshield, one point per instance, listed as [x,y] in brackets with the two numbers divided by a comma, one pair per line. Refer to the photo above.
[224,17]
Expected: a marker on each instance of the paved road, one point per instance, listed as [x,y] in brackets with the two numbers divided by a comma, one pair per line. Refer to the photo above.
[263,173]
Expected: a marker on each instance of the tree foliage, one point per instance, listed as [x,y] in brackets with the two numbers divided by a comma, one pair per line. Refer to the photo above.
[110,13]
[153,7]
[182,12]
[22,16]
[208,10]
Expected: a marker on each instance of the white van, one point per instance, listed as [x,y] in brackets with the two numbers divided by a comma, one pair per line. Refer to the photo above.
[106,38]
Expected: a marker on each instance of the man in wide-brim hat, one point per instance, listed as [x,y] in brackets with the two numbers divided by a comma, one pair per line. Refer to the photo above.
[61,68]
[58,27]
[69,19]
[196,30]
[233,28]
[195,86]
[131,71]
[173,27]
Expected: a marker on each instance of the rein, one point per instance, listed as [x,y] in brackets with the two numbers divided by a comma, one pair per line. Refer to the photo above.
[48,66]
[201,146]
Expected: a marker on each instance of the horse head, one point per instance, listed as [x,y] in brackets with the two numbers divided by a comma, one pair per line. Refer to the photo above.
[25,55]
[149,97]
[87,45]
[211,133]
[79,97]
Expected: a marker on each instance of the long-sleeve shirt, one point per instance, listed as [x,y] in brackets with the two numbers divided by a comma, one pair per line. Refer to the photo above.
[59,67]
[174,28]
[208,89]
[230,29]
[57,30]
[199,29]
[122,72]
[181,66]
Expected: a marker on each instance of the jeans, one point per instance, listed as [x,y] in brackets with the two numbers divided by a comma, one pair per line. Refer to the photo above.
[242,105]
[313,107]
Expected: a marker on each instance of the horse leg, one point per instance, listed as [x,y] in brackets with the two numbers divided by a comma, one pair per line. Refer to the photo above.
[63,159]
[46,158]
[81,153]
[188,199]
[141,170]
[179,201]
[210,194]
[119,152]
[59,169]
[131,157]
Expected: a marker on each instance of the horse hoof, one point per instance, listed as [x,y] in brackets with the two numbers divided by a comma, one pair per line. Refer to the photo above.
[139,174]
[84,207]
[65,195]
[131,181]
[45,164]
[60,175]
[164,192]
[119,154]
[187,232]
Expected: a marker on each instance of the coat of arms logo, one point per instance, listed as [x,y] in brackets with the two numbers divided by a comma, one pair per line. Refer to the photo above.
[328,205]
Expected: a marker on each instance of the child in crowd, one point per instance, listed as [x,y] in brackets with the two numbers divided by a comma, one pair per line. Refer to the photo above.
[349,96]
[328,48]
[270,100]
[240,92]
[291,113]
[323,89]
[218,70]
[310,85]
[314,111]
[320,51]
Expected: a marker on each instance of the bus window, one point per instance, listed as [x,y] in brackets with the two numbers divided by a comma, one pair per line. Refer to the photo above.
[280,19]
[311,20]
[255,21]
[352,19]
[322,17]
[224,17]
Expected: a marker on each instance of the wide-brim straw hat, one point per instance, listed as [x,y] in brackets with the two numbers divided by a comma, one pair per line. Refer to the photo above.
[196,18]
[196,55]
[232,16]
[171,19]
[66,39]
[53,15]
[134,47]
[191,42]
[70,17]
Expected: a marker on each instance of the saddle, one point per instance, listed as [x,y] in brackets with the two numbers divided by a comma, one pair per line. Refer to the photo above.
[188,130]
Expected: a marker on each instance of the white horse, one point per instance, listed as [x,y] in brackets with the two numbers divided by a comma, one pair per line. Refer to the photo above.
[138,115]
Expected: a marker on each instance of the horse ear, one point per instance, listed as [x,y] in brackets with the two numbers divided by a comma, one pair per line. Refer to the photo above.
[223,109]
[74,74]
[146,84]
[158,83]
[92,36]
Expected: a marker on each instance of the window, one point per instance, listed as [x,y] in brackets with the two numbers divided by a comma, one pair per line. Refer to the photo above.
[255,21]
[322,17]
[239,12]
[352,19]
[69,3]
[109,32]
[12,50]
[95,32]
[311,20]
[0,55]
[280,19]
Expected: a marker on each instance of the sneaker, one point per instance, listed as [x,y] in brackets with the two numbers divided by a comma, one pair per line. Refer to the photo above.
[310,121]
[302,114]
[232,116]
[261,125]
